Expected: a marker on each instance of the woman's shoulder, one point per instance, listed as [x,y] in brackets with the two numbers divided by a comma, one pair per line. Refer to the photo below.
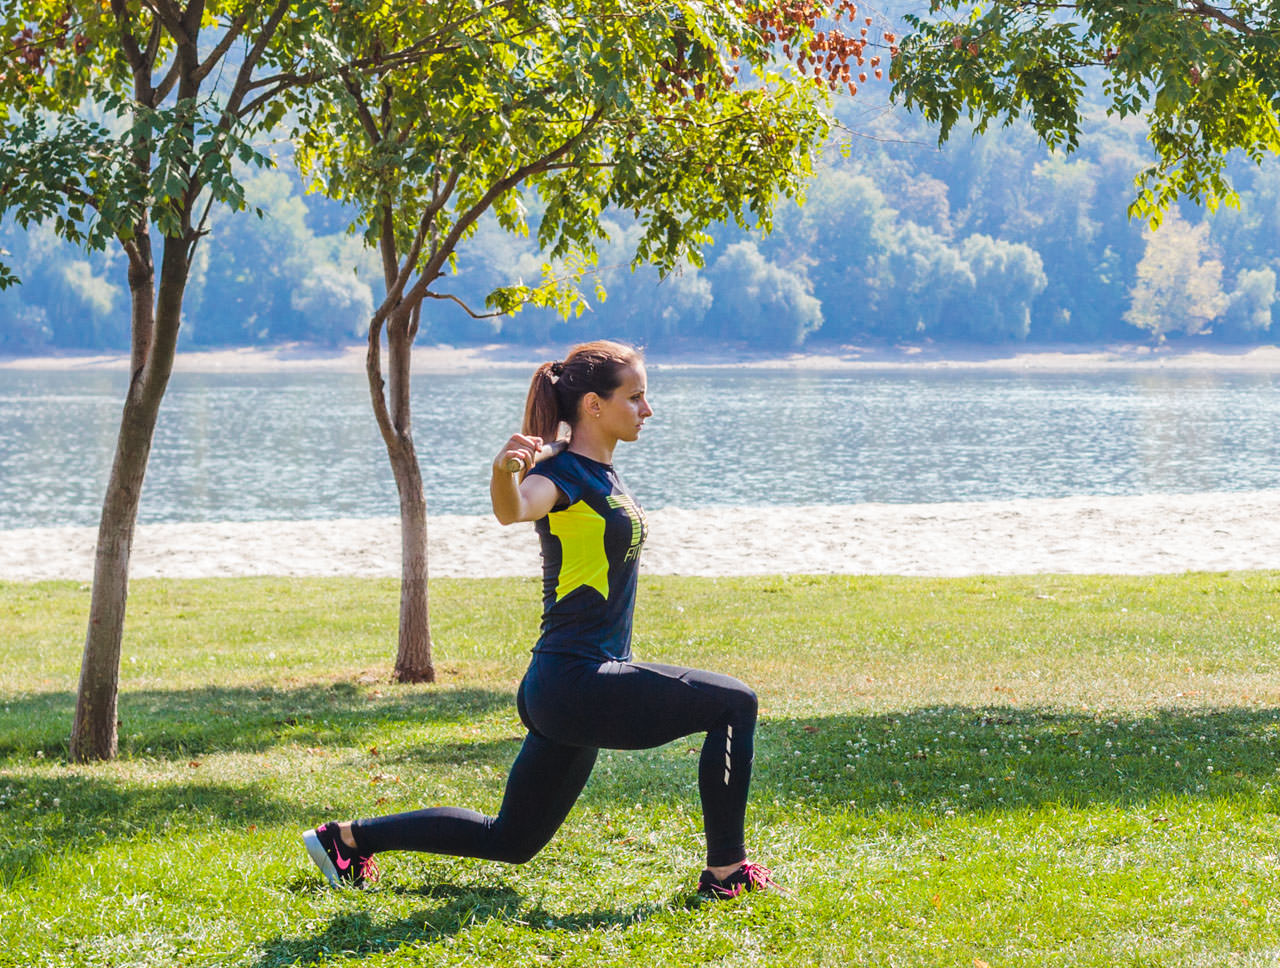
[576,475]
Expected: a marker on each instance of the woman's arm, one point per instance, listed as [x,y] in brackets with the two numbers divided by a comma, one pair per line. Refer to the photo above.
[515,500]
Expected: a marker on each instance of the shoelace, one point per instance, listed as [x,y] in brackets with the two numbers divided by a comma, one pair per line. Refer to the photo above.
[757,875]
[368,869]
[748,877]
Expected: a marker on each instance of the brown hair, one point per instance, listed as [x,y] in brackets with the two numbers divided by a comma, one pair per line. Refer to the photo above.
[557,388]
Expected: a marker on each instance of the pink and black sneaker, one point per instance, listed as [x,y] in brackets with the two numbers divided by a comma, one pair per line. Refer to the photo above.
[748,877]
[340,864]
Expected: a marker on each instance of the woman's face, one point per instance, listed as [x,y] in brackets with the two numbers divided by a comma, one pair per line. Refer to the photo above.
[623,413]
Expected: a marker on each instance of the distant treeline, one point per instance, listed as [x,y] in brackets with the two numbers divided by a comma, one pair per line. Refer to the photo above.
[991,239]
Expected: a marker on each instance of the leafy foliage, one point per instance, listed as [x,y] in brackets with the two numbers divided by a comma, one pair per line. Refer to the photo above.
[1204,76]
[682,115]
[923,202]
[1178,288]
[879,242]
[99,149]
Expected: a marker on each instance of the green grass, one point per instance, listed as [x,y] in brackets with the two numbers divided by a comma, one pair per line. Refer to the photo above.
[1013,771]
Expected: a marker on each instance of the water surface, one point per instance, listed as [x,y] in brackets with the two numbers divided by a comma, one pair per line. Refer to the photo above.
[242,447]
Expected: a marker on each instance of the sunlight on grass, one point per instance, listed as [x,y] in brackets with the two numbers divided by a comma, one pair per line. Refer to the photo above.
[1015,771]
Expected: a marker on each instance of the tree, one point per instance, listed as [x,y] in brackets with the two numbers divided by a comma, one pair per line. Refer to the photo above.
[242,288]
[766,304]
[1205,77]
[580,105]
[1178,290]
[1249,311]
[1007,277]
[335,301]
[643,306]
[840,234]
[924,277]
[122,121]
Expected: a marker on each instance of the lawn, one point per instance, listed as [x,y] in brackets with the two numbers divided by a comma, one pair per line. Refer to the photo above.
[1000,771]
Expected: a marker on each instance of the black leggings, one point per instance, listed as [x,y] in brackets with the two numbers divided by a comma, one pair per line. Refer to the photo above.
[573,707]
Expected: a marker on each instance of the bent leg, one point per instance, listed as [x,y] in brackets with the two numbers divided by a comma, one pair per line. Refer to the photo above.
[639,705]
[545,781]
[724,767]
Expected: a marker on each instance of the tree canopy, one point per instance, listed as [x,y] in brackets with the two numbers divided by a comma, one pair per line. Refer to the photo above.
[112,124]
[572,110]
[910,275]
[1204,77]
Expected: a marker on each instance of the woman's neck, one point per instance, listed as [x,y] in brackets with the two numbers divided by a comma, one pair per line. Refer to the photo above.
[596,446]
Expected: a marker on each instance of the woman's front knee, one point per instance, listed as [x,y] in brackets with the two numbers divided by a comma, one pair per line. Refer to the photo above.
[746,704]
[520,855]
[518,847]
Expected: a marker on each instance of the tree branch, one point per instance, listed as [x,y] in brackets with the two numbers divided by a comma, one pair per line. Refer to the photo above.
[373,368]
[169,81]
[153,42]
[395,287]
[393,278]
[469,311]
[244,79]
[367,120]
[415,319]
[139,63]
[201,229]
[276,83]
[171,17]
[1217,13]
[220,50]
[496,190]
[415,52]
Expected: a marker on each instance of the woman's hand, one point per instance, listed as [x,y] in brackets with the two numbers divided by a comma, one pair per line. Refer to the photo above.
[520,447]
[516,500]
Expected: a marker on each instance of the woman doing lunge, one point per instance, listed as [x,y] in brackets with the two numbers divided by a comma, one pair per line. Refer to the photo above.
[583,690]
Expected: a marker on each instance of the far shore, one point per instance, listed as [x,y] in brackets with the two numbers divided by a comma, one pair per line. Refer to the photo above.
[1049,358]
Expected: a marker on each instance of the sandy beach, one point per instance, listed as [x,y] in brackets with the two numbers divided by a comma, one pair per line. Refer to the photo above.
[1078,535]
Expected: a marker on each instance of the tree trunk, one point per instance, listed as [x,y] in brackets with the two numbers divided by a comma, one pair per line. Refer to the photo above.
[413,652]
[155,335]
[93,732]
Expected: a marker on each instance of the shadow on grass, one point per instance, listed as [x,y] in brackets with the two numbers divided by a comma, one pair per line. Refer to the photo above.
[993,758]
[360,934]
[936,760]
[45,815]
[191,722]
[923,757]
[973,759]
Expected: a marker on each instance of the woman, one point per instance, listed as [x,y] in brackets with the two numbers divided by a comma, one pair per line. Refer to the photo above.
[582,691]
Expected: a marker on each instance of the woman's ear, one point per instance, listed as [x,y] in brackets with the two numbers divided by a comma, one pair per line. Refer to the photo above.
[590,404]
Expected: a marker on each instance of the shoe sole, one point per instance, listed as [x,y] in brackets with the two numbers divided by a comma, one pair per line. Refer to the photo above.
[320,857]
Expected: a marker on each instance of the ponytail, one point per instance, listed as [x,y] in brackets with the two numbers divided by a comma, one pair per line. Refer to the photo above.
[557,388]
[541,408]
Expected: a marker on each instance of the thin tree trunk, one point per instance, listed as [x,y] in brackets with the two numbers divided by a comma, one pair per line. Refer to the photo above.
[94,730]
[413,652]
